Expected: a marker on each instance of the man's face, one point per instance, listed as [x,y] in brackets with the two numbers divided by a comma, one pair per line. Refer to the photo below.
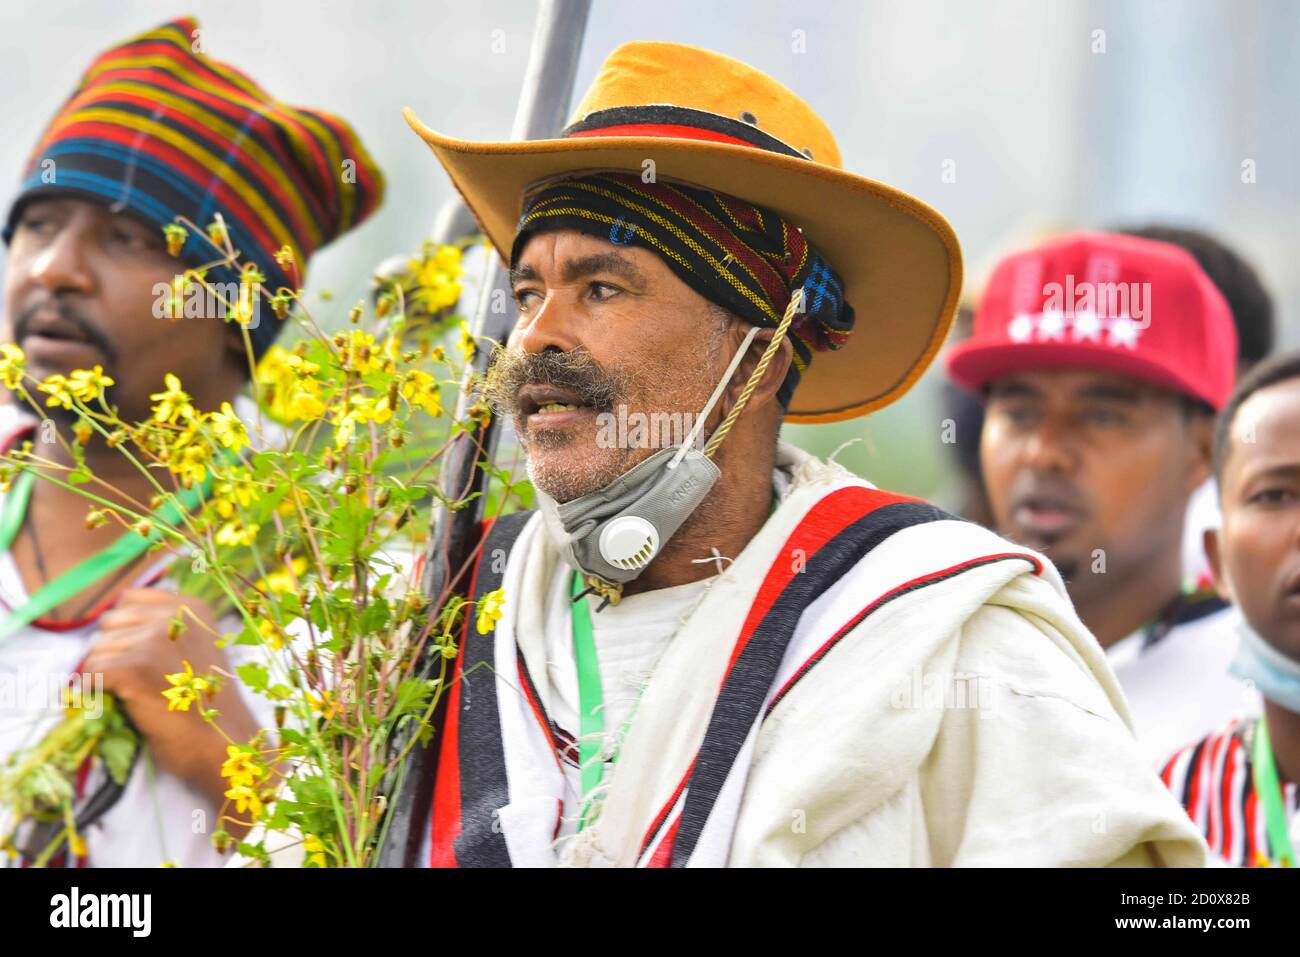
[79,291]
[603,331]
[1091,468]
[1256,553]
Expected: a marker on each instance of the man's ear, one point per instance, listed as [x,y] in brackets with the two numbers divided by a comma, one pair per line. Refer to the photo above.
[1210,541]
[1201,467]
[768,386]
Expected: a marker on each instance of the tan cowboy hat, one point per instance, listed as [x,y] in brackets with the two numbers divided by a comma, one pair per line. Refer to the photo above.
[710,121]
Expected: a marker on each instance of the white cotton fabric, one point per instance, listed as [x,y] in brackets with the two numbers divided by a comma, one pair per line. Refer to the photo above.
[1179,689]
[855,765]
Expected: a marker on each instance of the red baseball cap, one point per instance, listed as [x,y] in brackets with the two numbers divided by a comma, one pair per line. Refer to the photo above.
[1121,304]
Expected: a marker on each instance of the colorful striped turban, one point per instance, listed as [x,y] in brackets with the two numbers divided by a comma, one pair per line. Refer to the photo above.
[157,129]
[742,257]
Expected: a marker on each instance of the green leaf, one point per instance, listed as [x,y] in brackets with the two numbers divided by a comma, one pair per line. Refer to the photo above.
[116,750]
[374,617]
[253,675]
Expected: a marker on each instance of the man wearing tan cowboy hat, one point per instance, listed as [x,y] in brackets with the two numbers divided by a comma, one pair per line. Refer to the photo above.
[715,649]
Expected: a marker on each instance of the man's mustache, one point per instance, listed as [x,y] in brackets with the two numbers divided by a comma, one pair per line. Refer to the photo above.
[574,370]
[69,313]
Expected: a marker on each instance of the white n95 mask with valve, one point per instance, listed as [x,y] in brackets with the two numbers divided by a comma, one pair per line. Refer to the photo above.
[615,532]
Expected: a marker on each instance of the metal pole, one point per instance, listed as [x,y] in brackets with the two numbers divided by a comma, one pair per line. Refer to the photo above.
[543,107]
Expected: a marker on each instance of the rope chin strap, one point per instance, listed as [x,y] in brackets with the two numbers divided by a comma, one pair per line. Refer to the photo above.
[795,307]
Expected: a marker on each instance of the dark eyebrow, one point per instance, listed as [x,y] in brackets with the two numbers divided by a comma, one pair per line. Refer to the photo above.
[575,269]
[1012,389]
[1280,470]
[1110,393]
[521,271]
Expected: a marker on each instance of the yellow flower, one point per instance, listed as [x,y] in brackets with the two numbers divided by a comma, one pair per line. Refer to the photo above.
[58,388]
[421,390]
[228,428]
[236,533]
[13,363]
[246,799]
[448,258]
[273,366]
[489,610]
[364,409]
[270,634]
[323,703]
[467,346]
[305,405]
[237,491]
[315,850]
[436,278]
[301,366]
[363,351]
[77,845]
[190,463]
[343,429]
[173,403]
[88,384]
[242,767]
[280,580]
[186,688]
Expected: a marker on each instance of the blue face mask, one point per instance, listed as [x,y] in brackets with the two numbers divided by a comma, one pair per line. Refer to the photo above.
[1276,676]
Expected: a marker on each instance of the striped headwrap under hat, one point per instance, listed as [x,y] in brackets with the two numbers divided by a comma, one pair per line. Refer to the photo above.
[742,257]
[156,129]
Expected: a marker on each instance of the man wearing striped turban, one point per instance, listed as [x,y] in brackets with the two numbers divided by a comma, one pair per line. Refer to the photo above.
[714,649]
[155,131]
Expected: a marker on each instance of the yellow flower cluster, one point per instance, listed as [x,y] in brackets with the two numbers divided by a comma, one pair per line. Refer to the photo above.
[315,850]
[360,410]
[84,385]
[293,393]
[435,278]
[13,364]
[421,390]
[186,688]
[244,771]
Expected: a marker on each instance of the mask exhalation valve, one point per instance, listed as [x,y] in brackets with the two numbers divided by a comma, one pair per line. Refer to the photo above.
[629,542]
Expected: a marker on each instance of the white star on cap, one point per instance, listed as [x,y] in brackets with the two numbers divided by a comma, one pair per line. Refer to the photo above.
[1124,332]
[1086,326]
[1021,328]
[1051,325]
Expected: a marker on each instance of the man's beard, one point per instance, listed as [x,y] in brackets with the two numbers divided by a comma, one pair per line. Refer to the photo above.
[567,477]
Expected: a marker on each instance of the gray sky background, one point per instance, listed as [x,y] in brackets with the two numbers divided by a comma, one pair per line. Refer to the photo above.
[1045,134]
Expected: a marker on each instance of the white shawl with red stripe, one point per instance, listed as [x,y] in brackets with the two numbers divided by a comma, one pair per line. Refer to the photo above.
[870,682]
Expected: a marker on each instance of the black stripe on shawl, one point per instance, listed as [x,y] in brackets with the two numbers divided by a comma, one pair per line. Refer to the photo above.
[480,752]
[754,672]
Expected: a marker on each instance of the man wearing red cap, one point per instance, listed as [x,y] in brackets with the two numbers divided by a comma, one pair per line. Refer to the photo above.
[1103,359]
[155,130]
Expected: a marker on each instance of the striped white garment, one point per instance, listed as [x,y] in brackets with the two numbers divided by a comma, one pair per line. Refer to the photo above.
[1213,780]
[159,818]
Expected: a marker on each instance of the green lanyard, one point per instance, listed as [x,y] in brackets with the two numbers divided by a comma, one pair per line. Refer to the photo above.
[591,716]
[85,573]
[1268,790]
